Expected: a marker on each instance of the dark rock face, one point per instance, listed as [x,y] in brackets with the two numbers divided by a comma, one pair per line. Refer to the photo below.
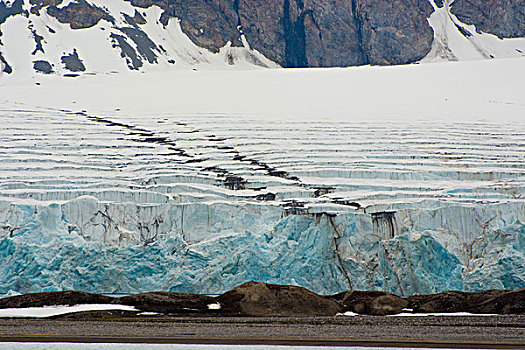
[504,18]
[168,302]
[7,68]
[126,51]
[42,66]
[318,33]
[37,5]
[208,23]
[145,46]
[339,32]
[394,32]
[138,19]
[292,33]
[371,302]
[53,298]
[15,9]
[261,299]
[73,63]
[79,14]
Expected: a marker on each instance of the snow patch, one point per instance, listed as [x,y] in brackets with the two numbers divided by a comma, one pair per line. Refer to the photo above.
[48,311]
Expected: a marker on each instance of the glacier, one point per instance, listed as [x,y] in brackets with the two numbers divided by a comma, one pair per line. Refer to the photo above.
[201,175]
[122,202]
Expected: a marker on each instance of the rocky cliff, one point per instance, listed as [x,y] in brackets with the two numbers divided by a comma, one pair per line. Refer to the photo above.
[291,33]
[297,33]
[504,18]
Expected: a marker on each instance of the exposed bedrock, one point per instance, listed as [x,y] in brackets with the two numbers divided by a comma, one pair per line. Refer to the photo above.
[504,18]
[394,32]
[314,33]
[296,33]
[6,12]
[78,14]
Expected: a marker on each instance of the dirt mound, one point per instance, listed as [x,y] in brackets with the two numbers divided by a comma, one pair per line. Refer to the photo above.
[261,299]
[512,302]
[451,301]
[53,298]
[168,302]
[371,302]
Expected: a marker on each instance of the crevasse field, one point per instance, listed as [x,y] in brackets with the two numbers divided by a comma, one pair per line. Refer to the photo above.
[406,179]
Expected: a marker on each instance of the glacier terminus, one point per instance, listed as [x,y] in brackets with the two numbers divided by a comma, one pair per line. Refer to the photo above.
[201,203]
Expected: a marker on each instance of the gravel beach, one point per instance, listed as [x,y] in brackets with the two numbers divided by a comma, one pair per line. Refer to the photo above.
[481,332]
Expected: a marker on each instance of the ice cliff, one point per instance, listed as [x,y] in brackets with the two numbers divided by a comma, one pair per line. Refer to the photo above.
[202,203]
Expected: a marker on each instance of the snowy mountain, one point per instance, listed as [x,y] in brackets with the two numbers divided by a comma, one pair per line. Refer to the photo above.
[93,37]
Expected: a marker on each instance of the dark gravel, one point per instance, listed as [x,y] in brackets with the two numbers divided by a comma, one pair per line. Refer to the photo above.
[477,331]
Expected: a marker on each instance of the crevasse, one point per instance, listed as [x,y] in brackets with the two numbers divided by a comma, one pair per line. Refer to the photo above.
[127,206]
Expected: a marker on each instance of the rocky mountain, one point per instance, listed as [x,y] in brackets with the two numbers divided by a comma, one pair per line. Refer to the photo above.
[75,36]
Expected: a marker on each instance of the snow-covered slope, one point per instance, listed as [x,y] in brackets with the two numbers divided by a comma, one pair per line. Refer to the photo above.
[454,40]
[108,47]
[407,179]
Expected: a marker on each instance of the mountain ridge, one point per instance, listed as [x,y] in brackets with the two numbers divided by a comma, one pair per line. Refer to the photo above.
[286,33]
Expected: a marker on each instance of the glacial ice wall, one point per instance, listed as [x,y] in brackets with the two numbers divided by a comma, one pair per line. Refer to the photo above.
[202,203]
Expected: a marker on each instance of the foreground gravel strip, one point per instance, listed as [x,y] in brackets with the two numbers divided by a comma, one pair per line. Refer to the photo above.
[456,332]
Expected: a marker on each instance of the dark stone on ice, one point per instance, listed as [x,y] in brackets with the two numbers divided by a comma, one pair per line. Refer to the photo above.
[73,63]
[41,66]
